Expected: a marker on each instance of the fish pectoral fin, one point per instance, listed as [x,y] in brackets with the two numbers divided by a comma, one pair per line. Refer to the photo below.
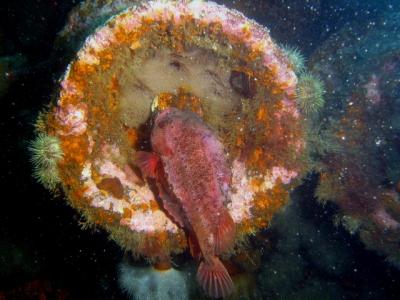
[214,278]
[225,233]
[194,246]
[172,208]
[148,163]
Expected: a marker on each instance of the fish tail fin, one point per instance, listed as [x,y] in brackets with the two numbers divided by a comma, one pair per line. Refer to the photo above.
[148,163]
[225,233]
[214,278]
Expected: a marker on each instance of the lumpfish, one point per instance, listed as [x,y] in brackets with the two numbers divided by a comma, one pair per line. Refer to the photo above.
[191,173]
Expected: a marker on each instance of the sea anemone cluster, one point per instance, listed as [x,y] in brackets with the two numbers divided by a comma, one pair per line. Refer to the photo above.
[296,59]
[310,88]
[192,55]
[309,94]
[46,152]
[146,283]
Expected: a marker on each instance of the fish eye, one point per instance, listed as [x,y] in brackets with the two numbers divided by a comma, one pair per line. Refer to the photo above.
[162,124]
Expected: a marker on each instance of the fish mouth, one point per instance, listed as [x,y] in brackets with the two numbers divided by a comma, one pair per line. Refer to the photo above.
[162,116]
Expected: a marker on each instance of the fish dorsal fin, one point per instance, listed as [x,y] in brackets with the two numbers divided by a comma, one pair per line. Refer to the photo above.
[194,246]
[148,163]
[224,233]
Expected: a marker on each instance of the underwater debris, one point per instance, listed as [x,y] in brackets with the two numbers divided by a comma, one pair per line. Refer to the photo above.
[361,109]
[194,56]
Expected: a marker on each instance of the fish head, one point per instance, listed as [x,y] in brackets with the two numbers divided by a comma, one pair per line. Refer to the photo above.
[166,128]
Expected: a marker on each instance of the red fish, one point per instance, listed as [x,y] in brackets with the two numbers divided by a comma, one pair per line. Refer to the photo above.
[192,177]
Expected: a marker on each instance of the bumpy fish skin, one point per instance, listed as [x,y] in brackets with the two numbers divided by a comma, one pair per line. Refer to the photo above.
[194,164]
[196,171]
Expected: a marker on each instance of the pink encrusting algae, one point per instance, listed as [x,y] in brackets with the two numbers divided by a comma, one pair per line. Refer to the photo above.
[198,57]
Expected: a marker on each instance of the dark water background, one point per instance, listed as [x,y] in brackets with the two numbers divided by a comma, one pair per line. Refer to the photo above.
[41,242]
